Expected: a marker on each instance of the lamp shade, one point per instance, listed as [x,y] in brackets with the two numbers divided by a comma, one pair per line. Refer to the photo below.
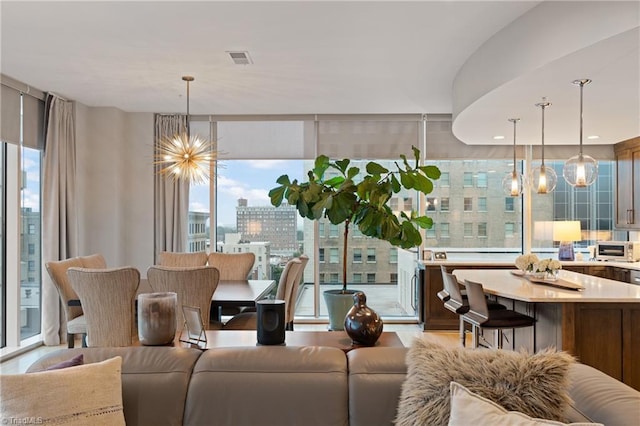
[567,230]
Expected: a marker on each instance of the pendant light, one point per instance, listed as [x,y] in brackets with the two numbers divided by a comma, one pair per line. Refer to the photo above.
[513,182]
[580,170]
[543,178]
[185,156]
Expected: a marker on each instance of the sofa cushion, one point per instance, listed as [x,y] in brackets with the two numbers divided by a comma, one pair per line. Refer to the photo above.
[470,408]
[533,384]
[154,379]
[81,395]
[269,385]
[375,378]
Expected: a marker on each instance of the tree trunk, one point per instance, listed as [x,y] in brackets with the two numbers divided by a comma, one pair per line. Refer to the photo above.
[344,255]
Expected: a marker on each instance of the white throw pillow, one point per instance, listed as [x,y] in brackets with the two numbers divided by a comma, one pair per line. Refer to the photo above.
[468,408]
[82,395]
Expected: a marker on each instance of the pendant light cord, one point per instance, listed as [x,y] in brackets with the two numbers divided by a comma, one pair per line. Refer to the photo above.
[581,83]
[543,105]
[188,79]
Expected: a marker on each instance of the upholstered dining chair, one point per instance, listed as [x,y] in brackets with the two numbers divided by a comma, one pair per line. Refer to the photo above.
[248,320]
[74,315]
[194,287]
[291,297]
[232,267]
[169,258]
[108,300]
[481,317]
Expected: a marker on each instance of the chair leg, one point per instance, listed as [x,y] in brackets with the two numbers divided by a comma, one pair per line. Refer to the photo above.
[84,340]
[462,332]
[70,340]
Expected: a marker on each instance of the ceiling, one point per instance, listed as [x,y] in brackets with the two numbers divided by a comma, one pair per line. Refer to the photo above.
[482,61]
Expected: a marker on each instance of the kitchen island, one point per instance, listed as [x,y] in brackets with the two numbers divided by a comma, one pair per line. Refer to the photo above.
[599,324]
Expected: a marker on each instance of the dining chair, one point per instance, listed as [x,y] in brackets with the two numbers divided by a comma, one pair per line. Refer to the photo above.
[232,267]
[194,286]
[169,258]
[108,300]
[290,307]
[481,317]
[74,315]
[248,320]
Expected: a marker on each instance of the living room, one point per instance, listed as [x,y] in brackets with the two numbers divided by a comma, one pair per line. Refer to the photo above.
[320,78]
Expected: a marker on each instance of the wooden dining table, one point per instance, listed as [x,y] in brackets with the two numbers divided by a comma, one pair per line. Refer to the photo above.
[228,294]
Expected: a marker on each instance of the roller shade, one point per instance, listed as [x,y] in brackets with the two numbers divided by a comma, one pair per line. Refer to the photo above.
[380,137]
[10,113]
[32,115]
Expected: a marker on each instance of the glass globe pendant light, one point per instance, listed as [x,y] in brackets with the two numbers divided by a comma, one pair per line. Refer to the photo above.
[543,178]
[513,182]
[580,170]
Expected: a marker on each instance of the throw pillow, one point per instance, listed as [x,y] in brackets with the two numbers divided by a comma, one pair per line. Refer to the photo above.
[533,384]
[468,408]
[82,395]
[73,362]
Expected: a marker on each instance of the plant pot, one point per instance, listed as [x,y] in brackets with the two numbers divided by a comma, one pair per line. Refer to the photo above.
[338,305]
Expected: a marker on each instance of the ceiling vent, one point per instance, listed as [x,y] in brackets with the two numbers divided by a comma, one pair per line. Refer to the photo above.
[240,58]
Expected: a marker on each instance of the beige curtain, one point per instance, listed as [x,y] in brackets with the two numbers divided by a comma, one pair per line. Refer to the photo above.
[171,197]
[59,214]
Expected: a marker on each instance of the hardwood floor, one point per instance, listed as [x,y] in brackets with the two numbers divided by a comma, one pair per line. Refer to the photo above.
[406,332]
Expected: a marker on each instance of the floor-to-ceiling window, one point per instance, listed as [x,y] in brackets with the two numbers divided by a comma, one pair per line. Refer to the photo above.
[473,216]
[20,201]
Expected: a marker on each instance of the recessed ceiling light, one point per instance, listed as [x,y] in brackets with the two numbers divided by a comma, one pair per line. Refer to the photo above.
[498,138]
[593,137]
[240,57]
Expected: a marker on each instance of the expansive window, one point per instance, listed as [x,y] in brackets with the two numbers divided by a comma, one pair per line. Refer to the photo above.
[472,215]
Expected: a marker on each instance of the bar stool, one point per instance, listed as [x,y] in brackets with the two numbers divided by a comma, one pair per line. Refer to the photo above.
[457,302]
[480,316]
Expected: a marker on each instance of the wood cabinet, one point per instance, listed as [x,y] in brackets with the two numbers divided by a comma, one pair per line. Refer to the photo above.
[628,184]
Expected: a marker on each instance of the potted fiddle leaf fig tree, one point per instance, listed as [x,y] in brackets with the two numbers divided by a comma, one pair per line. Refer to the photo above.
[359,199]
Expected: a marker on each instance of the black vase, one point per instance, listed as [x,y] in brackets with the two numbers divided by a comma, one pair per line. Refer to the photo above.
[362,323]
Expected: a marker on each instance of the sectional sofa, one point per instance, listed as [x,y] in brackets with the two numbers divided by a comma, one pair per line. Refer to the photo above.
[298,386]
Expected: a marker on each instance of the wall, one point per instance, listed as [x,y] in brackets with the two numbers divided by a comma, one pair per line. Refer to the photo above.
[114,161]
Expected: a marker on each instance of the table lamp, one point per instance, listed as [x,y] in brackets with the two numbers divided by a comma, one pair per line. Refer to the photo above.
[566,232]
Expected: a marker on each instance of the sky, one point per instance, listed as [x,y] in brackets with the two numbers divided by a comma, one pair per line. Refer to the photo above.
[250,179]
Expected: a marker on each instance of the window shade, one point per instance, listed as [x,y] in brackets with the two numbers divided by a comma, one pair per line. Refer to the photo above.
[381,138]
[10,114]
[33,122]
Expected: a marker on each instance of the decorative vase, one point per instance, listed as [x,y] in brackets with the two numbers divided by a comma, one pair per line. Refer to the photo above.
[338,304]
[157,318]
[362,323]
[551,275]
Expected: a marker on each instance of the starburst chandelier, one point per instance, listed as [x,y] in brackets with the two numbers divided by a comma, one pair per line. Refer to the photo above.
[185,156]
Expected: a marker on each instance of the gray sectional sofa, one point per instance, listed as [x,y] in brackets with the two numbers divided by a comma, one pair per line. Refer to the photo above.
[298,386]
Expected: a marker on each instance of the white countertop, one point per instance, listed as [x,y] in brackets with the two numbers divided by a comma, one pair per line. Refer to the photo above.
[501,282]
[485,262]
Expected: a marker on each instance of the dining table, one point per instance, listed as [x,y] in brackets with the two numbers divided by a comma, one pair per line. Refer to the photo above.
[229,293]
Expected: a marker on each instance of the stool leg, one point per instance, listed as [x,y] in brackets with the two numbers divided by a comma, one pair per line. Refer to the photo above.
[500,338]
[476,336]
[462,332]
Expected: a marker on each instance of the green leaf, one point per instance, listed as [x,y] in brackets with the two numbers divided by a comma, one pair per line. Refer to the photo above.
[416,154]
[407,180]
[376,169]
[321,165]
[395,185]
[422,184]
[342,165]
[276,195]
[334,181]
[352,172]
[283,180]
[424,222]
[432,172]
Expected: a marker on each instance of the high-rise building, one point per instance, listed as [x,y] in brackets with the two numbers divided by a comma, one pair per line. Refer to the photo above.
[198,234]
[268,223]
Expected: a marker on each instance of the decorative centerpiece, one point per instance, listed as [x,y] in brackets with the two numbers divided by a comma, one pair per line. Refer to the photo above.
[526,262]
[362,323]
[547,269]
[157,318]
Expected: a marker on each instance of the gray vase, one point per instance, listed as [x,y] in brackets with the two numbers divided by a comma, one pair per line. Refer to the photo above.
[338,304]
[362,323]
